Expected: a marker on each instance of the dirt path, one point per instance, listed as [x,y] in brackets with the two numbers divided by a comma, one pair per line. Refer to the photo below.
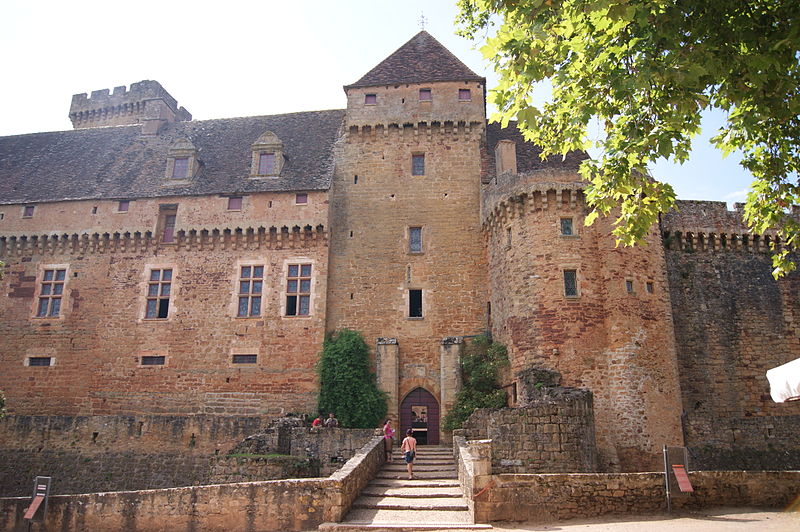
[722,519]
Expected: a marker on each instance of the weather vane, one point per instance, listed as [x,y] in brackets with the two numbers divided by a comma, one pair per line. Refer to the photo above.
[422,21]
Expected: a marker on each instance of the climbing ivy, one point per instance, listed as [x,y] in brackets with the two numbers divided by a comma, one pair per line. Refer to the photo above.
[347,387]
[480,364]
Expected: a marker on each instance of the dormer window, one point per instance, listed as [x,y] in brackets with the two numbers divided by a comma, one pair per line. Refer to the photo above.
[182,161]
[370,99]
[425,95]
[266,163]
[267,159]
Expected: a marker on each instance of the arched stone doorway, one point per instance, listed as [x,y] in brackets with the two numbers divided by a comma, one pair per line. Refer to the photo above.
[420,411]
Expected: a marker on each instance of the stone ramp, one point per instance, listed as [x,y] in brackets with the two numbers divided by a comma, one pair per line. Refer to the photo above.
[391,502]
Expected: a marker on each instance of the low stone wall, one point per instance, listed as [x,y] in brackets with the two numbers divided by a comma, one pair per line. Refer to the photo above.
[553,434]
[278,505]
[552,497]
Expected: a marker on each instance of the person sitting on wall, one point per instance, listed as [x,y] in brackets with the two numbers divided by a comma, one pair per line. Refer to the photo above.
[331,422]
[317,422]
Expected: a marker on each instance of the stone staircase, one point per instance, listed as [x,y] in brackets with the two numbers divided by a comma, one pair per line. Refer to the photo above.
[391,502]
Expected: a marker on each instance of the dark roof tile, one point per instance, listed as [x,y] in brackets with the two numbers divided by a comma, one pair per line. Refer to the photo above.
[529,154]
[423,59]
[118,162]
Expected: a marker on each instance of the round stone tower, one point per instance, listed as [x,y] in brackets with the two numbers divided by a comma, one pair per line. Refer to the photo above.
[565,297]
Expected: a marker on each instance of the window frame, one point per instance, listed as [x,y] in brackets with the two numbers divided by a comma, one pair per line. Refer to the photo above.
[421,249]
[250,294]
[28,211]
[126,204]
[571,221]
[298,293]
[409,307]
[469,95]
[48,294]
[232,200]
[371,96]
[416,169]
[158,296]
[564,286]
[50,358]
[629,286]
[298,196]
[428,92]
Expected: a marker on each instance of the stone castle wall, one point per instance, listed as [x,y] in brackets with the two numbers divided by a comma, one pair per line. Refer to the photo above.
[733,322]
[614,337]
[97,342]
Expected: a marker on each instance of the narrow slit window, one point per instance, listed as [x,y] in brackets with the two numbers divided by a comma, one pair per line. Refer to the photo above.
[51,290]
[153,360]
[415,303]
[245,359]
[298,290]
[649,287]
[629,286]
[418,164]
[415,239]
[169,229]
[571,283]
[159,290]
[251,286]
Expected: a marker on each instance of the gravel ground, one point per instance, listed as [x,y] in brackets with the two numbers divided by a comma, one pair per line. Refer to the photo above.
[706,520]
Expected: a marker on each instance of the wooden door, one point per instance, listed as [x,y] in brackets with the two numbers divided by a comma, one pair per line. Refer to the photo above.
[420,411]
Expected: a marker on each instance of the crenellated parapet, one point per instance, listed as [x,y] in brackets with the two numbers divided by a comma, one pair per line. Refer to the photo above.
[710,226]
[145,101]
[532,197]
[250,238]
[418,130]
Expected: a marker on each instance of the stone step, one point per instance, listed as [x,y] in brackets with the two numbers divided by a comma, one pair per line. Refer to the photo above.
[362,516]
[405,483]
[397,466]
[411,491]
[455,504]
[402,527]
[401,474]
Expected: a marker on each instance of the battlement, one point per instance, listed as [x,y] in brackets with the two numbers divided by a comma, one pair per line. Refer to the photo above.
[464,129]
[273,237]
[145,100]
[539,196]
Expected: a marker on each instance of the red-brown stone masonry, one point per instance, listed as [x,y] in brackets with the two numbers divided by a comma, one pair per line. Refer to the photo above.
[617,344]
[372,270]
[262,209]
[100,336]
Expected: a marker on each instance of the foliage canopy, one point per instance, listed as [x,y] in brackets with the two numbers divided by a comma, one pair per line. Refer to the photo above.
[347,386]
[646,70]
[480,364]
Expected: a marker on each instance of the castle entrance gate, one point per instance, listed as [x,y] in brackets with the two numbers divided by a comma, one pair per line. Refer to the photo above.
[420,411]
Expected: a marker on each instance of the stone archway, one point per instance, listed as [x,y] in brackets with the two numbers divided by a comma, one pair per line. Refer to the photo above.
[420,411]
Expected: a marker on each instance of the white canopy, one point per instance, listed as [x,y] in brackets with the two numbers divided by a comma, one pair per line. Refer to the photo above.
[784,382]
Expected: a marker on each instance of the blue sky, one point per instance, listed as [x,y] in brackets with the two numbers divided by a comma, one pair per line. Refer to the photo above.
[243,58]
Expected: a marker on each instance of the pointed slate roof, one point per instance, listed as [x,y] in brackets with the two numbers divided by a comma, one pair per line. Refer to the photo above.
[422,59]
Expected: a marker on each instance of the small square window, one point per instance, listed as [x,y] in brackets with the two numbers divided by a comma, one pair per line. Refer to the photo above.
[629,286]
[153,360]
[245,359]
[235,203]
[415,303]
[180,168]
[464,95]
[571,283]
[370,99]
[415,239]
[27,212]
[425,95]
[649,286]
[40,361]
[123,206]
[266,164]
[301,199]
[418,164]
[566,227]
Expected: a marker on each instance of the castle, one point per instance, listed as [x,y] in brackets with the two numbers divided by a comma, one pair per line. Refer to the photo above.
[160,267]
